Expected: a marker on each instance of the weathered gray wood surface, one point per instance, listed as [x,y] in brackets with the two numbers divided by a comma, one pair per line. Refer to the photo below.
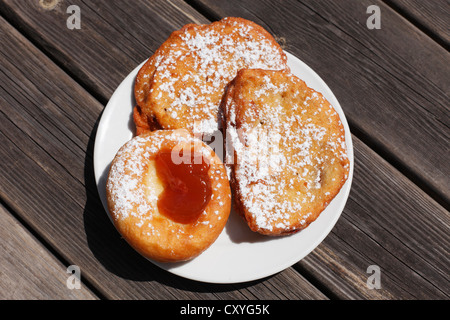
[54,83]
[114,37]
[430,16]
[28,269]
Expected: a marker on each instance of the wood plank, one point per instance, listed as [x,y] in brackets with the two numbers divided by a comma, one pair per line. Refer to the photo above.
[28,270]
[113,254]
[47,178]
[114,36]
[430,16]
[392,83]
[389,222]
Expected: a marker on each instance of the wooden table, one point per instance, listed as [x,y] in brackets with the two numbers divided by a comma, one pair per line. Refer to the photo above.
[393,84]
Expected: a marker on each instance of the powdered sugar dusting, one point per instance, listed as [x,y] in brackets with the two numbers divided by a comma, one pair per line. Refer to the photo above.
[126,180]
[210,58]
[283,154]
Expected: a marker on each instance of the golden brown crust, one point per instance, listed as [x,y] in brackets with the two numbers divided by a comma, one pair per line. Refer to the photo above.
[285,148]
[132,193]
[182,84]
[143,122]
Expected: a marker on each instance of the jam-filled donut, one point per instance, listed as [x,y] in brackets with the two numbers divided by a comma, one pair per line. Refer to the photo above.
[168,195]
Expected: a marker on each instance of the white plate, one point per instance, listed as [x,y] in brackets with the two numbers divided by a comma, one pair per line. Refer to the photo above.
[238,255]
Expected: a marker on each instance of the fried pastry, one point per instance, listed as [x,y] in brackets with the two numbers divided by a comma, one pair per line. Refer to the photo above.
[285,149]
[182,84]
[168,195]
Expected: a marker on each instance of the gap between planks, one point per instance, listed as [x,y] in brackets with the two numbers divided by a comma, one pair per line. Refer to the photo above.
[419,24]
[30,269]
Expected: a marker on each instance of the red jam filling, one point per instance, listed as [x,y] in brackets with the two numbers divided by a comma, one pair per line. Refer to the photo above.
[187,186]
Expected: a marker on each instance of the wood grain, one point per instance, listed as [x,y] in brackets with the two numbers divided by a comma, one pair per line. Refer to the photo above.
[429,16]
[114,37]
[392,83]
[389,222]
[28,270]
[47,178]
[46,143]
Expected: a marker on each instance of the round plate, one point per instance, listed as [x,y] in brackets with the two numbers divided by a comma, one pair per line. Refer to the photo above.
[238,255]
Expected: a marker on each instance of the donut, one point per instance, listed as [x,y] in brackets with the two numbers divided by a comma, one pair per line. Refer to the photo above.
[168,195]
[182,83]
[285,150]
